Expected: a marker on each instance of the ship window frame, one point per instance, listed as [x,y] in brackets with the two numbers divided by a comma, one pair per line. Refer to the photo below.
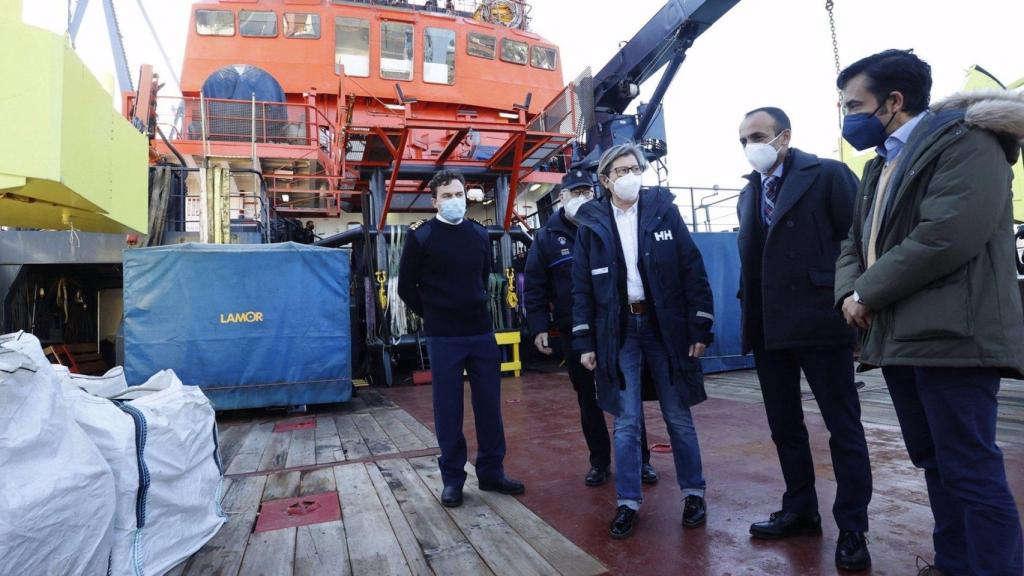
[215,34]
[410,47]
[554,60]
[369,53]
[526,55]
[450,55]
[273,19]
[470,45]
[318,27]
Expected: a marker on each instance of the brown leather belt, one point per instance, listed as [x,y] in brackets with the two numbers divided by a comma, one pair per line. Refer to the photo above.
[638,308]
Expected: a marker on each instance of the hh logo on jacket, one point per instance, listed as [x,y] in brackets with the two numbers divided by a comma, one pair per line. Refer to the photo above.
[663,235]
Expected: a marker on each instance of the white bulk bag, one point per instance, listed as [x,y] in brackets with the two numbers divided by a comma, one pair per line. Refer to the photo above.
[182,505]
[57,495]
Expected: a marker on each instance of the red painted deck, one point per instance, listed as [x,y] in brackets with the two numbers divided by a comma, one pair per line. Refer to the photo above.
[547,451]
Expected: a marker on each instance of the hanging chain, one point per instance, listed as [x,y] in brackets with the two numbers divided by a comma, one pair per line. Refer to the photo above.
[832,25]
[829,6]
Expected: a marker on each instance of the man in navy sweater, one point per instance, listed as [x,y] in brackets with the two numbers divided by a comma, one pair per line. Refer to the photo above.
[443,278]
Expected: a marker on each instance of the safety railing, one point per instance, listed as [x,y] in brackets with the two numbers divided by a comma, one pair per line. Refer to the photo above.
[220,120]
[561,114]
[514,12]
[308,194]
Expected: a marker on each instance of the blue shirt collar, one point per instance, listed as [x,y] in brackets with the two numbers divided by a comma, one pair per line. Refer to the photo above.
[894,143]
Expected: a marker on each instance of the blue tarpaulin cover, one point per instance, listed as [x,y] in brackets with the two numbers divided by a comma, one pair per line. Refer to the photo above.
[722,262]
[252,325]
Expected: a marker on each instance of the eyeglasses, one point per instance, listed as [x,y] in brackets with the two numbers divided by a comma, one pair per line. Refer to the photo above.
[623,170]
[582,192]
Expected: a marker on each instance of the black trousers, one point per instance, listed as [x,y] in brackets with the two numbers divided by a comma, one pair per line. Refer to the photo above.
[595,429]
[948,417]
[829,372]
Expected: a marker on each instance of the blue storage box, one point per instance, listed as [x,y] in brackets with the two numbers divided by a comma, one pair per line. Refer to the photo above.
[252,325]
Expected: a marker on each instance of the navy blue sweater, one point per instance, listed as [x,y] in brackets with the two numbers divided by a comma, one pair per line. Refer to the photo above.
[443,277]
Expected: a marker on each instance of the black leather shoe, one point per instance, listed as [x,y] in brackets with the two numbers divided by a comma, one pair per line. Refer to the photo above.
[852,551]
[648,474]
[624,522]
[597,476]
[695,512]
[783,524]
[926,569]
[451,496]
[505,485]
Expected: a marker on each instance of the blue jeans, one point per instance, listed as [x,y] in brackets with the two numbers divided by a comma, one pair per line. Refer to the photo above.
[642,347]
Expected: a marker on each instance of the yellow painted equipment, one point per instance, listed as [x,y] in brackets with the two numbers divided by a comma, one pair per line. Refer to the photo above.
[68,160]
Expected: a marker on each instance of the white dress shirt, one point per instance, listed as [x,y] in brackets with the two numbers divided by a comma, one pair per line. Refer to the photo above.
[626,222]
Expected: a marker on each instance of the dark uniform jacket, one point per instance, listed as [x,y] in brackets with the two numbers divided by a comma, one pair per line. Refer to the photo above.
[788,271]
[675,283]
[943,291]
[549,275]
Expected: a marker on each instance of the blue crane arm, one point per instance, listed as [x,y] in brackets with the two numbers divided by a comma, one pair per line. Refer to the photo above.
[664,39]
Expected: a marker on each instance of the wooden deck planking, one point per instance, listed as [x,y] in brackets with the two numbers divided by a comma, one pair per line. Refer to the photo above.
[302,451]
[376,439]
[400,434]
[222,555]
[317,481]
[352,443]
[281,485]
[422,432]
[399,524]
[567,558]
[276,453]
[248,457]
[373,547]
[444,546]
[272,553]
[504,550]
[321,550]
[328,443]
[229,441]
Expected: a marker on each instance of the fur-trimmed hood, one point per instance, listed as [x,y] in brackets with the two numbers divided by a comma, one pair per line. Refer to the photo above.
[998,111]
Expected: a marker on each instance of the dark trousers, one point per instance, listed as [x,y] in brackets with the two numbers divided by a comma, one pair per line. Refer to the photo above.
[948,417]
[829,372]
[480,358]
[595,429]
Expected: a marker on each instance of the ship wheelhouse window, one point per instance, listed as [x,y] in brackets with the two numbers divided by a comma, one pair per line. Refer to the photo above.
[543,57]
[301,25]
[514,51]
[257,24]
[480,45]
[352,46]
[396,50]
[439,56]
[215,23]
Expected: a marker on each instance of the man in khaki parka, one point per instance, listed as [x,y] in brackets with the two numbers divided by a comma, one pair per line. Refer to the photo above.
[928,274]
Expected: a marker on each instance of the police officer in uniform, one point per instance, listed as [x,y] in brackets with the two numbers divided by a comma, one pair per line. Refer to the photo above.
[443,278]
[549,288]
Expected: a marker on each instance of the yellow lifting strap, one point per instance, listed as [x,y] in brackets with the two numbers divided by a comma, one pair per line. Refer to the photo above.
[511,298]
[382,289]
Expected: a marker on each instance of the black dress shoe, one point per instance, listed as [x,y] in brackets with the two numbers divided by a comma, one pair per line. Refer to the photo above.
[451,496]
[648,474]
[624,522]
[505,485]
[597,476]
[783,524]
[852,551]
[695,512]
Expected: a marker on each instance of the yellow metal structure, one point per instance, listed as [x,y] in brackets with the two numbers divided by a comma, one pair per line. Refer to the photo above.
[67,159]
[510,339]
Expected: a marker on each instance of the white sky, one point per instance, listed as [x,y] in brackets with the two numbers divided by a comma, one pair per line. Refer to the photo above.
[761,53]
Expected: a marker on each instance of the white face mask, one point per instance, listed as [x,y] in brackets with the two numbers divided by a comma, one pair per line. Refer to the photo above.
[453,209]
[762,156]
[572,206]
[627,188]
